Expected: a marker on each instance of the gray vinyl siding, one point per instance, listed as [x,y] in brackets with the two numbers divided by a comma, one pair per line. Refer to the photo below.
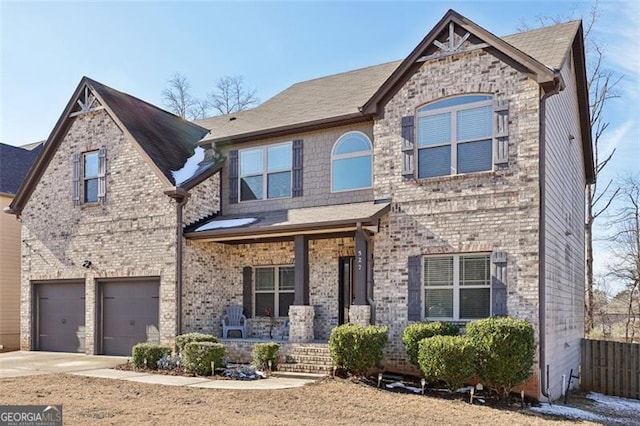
[564,236]
[317,147]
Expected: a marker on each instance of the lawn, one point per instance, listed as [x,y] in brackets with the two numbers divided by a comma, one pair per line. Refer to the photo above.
[334,401]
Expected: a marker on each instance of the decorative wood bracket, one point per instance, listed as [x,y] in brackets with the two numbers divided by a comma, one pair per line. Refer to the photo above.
[88,103]
[454,44]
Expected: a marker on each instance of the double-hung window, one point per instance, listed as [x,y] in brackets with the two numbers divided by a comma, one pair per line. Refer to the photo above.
[274,290]
[265,172]
[90,177]
[455,136]
[457,287]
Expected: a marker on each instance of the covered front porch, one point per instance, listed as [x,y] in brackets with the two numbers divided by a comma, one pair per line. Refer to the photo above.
[297,273]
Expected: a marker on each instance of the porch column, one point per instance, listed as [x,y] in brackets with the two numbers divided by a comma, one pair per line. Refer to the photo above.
[361,267]
[301,315]
[301,253]
[360,311]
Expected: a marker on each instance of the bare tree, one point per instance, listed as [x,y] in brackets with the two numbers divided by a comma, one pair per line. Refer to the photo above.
[231,96]
[176,96]
[624,242]
[601,83]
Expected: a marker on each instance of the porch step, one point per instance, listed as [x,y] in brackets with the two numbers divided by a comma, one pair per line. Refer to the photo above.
[305,368]
[308,358]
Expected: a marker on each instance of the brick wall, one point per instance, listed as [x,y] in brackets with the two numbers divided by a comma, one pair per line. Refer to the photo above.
[132,234]
[213,280]
[465,213]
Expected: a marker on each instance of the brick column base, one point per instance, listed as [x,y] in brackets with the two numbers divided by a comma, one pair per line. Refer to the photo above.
[360,314]
[301,323]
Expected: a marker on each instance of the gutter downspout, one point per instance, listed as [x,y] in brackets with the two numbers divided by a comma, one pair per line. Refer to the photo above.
[181,197]
[542,270]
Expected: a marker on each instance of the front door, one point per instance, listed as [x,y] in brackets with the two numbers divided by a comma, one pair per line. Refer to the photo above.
[345,287]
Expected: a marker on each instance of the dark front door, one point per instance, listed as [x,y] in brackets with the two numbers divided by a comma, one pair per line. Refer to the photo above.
[59,315]
[129,315]
[345,288]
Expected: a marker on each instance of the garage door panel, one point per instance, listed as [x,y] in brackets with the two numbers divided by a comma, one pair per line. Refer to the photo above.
[60,315]
[129,315]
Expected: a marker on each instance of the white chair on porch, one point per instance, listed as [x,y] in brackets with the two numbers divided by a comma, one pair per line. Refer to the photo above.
[234,319]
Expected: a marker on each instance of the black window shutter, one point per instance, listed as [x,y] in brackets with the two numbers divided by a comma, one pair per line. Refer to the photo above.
[408,146]
[75,164]
[247,290]
[296,185]
[501,132]
[414,303]
[233,176]
[499,283]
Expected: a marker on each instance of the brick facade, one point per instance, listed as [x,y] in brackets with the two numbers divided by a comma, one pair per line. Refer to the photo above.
[132,234]
[213,281]
[456,214]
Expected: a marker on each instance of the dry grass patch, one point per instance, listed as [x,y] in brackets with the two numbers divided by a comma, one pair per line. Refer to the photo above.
[334,401]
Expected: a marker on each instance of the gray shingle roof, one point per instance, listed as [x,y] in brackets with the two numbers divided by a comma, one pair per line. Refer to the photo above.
[343,94]
[14,165]
[548,45]
[281,221]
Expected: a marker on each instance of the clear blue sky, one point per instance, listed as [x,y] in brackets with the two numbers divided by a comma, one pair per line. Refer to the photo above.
[136,46]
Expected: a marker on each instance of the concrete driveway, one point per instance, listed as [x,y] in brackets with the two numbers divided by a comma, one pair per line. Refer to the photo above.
[25,363]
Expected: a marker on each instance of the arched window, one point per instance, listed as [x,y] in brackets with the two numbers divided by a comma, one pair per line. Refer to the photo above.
[455,136]
[351,162]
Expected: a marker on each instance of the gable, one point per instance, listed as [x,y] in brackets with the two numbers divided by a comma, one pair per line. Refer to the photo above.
[164,140]
[456,34]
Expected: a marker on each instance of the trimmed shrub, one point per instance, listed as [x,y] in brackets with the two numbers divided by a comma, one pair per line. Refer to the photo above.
[414,333]
[198,356]
[149,352]
[358,349]
[263,353]
[447,358]
[505,348]
[183,339]
[168,361]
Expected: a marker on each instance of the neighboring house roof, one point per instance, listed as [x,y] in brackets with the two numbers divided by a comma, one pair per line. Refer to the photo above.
[14,165]
[165,140]
[307,220]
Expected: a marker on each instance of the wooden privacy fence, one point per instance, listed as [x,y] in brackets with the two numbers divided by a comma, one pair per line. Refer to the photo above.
[612,368]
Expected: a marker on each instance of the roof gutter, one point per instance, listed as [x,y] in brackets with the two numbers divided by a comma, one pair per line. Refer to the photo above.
[542,294]
[181,197]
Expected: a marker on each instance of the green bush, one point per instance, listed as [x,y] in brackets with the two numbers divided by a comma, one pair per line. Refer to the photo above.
[198,356]
[358,349]
[183,339]
[263,353]
[447,358]
[149,352]
[505,348]
[414,333]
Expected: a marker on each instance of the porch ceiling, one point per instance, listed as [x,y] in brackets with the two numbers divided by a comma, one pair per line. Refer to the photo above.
[286,223]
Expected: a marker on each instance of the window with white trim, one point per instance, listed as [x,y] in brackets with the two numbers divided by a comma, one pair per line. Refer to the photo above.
[265,172]
[351,159]
[455,136]
[457,287]
[90,163]
[274,289]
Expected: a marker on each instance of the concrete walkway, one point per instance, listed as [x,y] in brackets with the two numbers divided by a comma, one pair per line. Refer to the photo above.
[24,363]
